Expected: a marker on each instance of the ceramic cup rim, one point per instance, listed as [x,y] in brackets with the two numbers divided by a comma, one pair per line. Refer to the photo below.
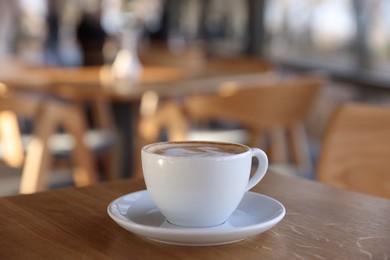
[246,148]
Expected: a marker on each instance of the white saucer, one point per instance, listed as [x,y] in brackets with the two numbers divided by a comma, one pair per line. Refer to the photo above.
[137,213]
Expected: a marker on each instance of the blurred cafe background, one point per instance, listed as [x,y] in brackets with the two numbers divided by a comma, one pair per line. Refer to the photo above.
[85,83]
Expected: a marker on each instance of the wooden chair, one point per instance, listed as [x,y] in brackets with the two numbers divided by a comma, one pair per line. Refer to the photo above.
[276,110]
[276,113]
[37,152]
[356,150]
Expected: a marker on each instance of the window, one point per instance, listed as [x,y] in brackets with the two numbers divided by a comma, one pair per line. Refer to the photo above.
[377,16]
[316,32]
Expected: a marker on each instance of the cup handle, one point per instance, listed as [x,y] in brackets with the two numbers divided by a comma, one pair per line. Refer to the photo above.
[261,168]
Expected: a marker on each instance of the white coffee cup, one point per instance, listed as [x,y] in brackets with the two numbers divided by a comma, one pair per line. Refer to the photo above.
[200,184]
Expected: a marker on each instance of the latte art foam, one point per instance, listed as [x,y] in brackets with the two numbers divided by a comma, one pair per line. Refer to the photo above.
[196,149]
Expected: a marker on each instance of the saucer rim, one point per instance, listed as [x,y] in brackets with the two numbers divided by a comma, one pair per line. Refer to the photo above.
[140,229]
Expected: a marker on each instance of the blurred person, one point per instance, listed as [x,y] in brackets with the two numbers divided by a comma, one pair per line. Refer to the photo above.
[52,39]
[90,34]
[9,11]
[225,23]
[32,32]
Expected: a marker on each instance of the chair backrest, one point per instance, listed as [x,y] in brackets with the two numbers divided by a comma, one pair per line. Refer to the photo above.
[356,149]
[277,110]
[278,104]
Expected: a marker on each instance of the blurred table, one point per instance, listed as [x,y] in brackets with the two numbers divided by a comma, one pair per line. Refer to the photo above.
[96,83]
[322,222]
[86,83]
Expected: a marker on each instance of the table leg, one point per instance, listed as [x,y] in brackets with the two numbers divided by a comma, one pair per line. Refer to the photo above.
[126,116]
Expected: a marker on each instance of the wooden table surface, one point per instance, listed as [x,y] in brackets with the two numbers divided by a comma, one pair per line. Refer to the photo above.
[86,82]
[321,223]
[96,82]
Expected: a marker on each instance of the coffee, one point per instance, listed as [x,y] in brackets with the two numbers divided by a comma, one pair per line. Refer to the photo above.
[197,149]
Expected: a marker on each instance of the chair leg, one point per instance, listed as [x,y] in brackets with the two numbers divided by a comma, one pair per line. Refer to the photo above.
[13,153]
[109,166]
[38,156]
[85,172]
[175,121]
[256,138]
[278,146]
[301,146]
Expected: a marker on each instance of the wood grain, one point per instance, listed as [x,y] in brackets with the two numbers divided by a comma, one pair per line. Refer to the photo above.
[322,222]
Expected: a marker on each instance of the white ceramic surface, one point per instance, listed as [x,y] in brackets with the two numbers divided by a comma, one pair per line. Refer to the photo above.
[137,213]
[200,191]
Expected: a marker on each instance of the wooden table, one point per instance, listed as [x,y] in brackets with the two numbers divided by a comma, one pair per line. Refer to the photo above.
[96,84]
[321,223]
